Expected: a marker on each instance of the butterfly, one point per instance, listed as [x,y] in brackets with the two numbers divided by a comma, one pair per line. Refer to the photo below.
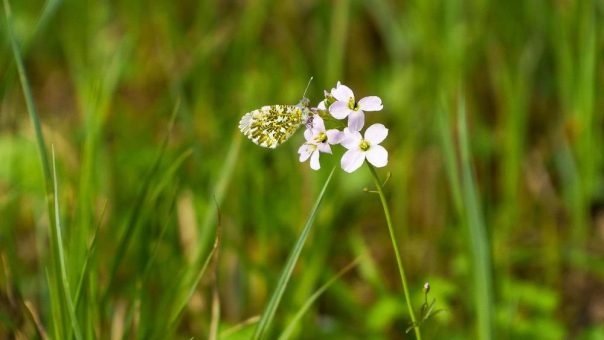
[271,125]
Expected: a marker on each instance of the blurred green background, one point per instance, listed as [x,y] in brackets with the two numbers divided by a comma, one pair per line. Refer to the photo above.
[140,200]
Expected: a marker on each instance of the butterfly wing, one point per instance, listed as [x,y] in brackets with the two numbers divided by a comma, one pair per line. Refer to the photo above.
[270,126]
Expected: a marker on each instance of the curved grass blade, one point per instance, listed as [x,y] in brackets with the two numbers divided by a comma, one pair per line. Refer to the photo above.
[467,203]
[35,318]
[182,301]
[89,253]
[59,271]
[58,243]
[287,333]
[238,327]
[29,101]
[271,308]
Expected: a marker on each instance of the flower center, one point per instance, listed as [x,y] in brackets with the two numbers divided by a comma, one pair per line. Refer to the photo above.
[352,104]
[321,137]
[364,145]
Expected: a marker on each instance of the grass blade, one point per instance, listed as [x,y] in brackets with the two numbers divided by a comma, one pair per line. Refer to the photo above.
[480,250]
[238,327]
[89,253]
[35,318]
[29,100]
[58,243]
[287,333]
[271,308]
[59,271]
[450,158]
[182,303]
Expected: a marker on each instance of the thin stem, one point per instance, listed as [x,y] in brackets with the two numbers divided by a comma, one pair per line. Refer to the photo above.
[399,262]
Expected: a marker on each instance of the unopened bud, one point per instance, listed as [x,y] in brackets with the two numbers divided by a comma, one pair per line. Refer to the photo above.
[427,287]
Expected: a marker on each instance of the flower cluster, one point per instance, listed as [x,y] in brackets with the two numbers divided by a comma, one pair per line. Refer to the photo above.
[340,104]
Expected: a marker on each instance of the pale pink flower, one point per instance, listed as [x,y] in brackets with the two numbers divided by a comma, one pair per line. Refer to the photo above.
[347,106]
[367,147]
[318,140]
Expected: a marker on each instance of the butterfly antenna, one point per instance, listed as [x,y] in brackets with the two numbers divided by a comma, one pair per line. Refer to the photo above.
[307,85]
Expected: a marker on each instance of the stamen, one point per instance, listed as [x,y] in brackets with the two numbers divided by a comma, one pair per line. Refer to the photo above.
[364,145]
[321,138]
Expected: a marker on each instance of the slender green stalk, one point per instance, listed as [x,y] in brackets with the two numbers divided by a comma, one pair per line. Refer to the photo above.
[399,262]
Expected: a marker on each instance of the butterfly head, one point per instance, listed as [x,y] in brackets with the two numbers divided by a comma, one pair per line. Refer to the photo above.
[304,103]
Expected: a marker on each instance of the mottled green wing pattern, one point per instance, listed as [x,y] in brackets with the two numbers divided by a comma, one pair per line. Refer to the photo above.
[270,126]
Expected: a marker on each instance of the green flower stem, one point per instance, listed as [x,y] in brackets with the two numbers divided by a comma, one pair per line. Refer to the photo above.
[399,262]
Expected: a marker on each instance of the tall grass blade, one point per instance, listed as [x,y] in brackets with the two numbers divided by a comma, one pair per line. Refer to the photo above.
[59,280]
[89,253]
[29,100]
[287,333]
[450,158]
[480,250]
[181,303]
[57,325]
[269,313]
[58,244]
[215,320]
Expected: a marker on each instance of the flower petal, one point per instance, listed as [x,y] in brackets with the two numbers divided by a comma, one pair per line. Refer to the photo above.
[324,147]
[342,93]
[351,139]
[318,124]
[339,110]
[377,155]
[371,103]
[352,160]
[308,135]
[356,120]
[376,133]
[314,161]
[334,136]
[322,106]
[305,150]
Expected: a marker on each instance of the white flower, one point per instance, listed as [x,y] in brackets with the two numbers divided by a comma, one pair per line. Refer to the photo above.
[309,150]
[318,135]
[318,140]
[347,106]
[360,148]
